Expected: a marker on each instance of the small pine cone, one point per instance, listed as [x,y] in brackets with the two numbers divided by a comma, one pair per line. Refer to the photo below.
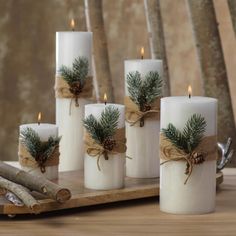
[109,144]
[75,88]
[197,158]
[147,107]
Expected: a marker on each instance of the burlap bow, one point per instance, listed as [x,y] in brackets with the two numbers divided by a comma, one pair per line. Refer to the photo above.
[73,91]
[27,160]
[134,115]
[205,151]
[95,149]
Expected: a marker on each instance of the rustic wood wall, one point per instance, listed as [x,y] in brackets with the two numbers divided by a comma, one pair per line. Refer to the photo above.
[27,53]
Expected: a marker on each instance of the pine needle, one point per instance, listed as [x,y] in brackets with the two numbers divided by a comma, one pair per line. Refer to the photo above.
[144,92]
[104,127]
[38,149]
[31,141]
[191,136]
[78,72]
[194,130]
[175,136]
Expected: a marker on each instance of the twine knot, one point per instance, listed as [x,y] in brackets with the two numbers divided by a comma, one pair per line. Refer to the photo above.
[205,151]
[141,116]
[40,161]
[98,152]
[111,145]
[194,158]
[136,114]
[74,90]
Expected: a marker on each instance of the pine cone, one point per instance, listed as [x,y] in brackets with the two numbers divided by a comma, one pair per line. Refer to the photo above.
[41,160]
[146,107]
[197,158]
[75,88]
[109,144]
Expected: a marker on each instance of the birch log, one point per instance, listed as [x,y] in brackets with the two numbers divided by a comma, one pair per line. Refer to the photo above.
[94,11]
[232,10]
[212,64]
[157,38]
[33,182]
[21,193]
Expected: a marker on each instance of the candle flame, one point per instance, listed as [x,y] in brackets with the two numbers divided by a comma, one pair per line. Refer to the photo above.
[189,91]
[105,98]
[72,24]
[39,118]
[142,52]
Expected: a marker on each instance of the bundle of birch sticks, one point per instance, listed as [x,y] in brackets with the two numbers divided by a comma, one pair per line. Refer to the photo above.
[23,184]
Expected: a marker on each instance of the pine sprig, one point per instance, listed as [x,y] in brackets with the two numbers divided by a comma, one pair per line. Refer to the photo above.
[134,83]
[94,128]
[38,149]
[175,136]
[194,130]
[105,127]
[31,141]
[78,72]
[153,85]
[144,92]
[109,120]
[191,136]
[48,147]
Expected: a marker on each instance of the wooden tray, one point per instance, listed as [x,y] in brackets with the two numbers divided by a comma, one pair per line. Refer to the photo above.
[134,189]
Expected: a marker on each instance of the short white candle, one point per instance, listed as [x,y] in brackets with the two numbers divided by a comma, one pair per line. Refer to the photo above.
[111,175]
[197,196]
[44,131]
[69,46]
[143,142]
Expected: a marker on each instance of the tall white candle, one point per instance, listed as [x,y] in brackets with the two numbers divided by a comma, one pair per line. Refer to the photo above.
[111,175]
[197,196]
[143,142]
[69,46]
[44,131]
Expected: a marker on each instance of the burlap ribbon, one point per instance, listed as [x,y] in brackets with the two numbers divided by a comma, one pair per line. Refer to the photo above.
[26,159]
[207,150]
[134,115]
[95,149]
[64,90]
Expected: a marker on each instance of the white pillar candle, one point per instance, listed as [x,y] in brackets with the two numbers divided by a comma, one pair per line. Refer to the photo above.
[69,46]
[44,131]
[143,142]
[111,175]
[197,196]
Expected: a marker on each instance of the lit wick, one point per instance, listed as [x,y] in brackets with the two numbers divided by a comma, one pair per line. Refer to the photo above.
[72,24]
[142,52]
[39,118]
[105,98]
[189,91]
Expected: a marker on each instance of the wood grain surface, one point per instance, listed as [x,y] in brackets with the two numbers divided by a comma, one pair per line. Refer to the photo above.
[137,217]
